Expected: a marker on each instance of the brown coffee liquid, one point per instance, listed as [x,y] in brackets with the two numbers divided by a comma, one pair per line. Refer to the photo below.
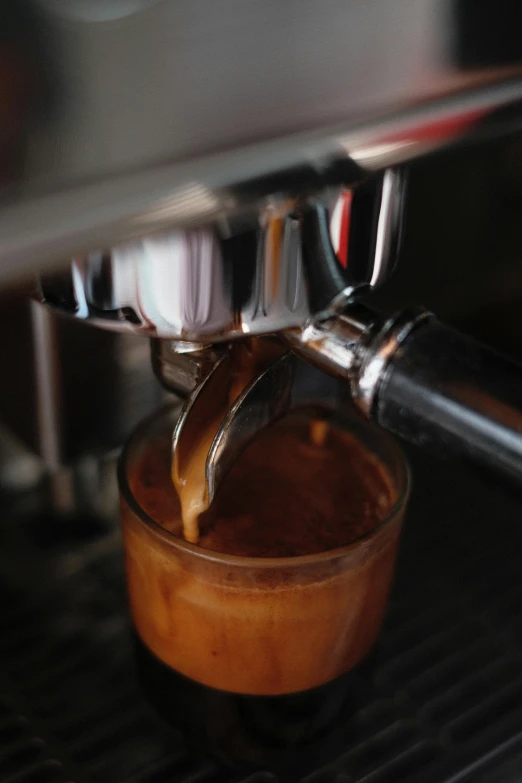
[255,662]
[303,486]
[285,497]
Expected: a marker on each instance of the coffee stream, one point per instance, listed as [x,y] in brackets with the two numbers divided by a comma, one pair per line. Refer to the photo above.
[191,485]
[318,432]
[249,358]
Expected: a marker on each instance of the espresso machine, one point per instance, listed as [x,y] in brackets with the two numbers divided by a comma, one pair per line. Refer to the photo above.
[186,175]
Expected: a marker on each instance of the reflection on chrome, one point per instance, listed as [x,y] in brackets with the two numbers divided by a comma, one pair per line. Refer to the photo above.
[274,271]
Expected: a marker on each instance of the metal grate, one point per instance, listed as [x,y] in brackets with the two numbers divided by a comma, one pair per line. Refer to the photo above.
[445,705]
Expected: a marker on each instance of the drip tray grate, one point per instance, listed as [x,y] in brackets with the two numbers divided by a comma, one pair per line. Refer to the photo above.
[446,703]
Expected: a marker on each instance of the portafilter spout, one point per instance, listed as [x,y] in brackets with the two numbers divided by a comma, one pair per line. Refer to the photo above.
[230,422]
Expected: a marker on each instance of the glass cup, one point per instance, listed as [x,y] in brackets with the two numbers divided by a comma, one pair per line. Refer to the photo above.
[256,660]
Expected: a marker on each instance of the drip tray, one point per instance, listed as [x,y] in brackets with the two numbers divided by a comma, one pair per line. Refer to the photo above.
[446,702]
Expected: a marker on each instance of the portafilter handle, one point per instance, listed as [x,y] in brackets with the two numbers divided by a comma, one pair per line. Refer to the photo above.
[423,381]
[410,374]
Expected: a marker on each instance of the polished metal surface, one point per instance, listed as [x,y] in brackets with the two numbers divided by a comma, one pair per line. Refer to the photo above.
[408,373]
[203,407]
[287,384]
[453,396]
[180,366]
[374,362]
[355,345]
[130,117]
[71,392]
[204,165]
[273,271]
[334,344]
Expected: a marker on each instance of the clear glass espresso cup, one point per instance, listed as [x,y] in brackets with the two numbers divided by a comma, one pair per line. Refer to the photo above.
[256,660]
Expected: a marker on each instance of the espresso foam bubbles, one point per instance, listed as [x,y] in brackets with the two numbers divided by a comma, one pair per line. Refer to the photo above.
[243,627]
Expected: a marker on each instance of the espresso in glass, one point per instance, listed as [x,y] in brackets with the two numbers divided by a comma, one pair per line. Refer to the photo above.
[254,640]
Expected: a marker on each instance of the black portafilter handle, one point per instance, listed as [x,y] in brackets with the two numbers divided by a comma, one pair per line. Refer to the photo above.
[425,382]
[447,393]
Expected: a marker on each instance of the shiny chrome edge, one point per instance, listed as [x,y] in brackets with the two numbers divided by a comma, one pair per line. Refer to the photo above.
[376,357]
[40,231]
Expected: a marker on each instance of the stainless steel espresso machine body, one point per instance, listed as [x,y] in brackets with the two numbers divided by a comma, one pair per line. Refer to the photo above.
[295,254]
[291,224]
